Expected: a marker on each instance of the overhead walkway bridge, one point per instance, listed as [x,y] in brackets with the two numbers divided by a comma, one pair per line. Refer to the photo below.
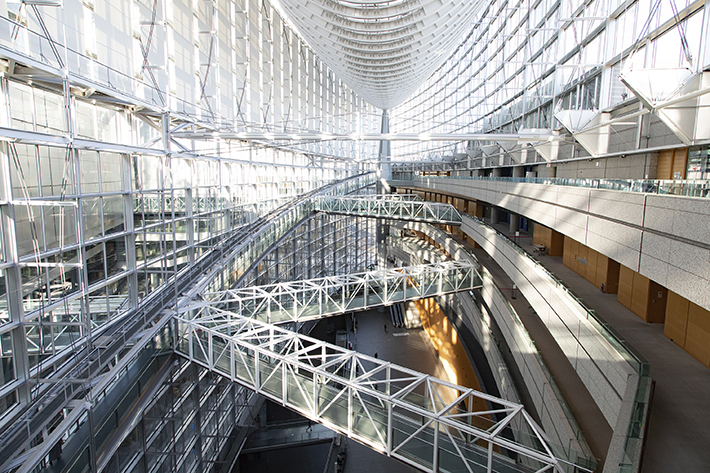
[426,422]
[389,208]
[423,421]
[298,301]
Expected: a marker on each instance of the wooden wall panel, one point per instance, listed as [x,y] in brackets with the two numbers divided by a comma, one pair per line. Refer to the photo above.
[557,243]
[671,162]
[665,164]
[697,335]
[568,256]
[657,299]
[626,282]
[639,296]
[680,163]
[676,322]
[599,268]
[612,277]
[541,234]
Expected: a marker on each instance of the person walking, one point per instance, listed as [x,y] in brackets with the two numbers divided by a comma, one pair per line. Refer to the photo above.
[385,328]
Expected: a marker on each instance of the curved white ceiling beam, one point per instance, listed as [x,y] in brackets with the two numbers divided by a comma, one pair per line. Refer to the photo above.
[384,50]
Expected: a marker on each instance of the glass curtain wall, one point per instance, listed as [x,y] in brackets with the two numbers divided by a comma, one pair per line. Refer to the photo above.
[103,208]
[525,60]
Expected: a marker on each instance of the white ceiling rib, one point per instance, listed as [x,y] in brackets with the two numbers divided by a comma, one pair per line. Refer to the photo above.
[384,50]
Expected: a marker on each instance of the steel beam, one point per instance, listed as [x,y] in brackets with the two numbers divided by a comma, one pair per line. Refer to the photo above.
[390,408]
[324,136]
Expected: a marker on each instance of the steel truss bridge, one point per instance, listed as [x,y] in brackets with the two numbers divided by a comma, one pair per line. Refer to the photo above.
[426,422]
[298,301]
[399,209]
[395,206]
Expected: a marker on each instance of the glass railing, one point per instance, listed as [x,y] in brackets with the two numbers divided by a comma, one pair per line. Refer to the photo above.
[688,188]
[581,458]
[634,436]
[635,359]
[37,46]
[552,383]
[287,433]
[390,208]
[378,410]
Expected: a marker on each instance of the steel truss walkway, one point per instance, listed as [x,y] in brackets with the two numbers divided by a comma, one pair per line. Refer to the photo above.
[297,301]
[398,209]
[423,421]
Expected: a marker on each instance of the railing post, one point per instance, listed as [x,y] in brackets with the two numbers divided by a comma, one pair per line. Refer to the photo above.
[315,395]
[232,362]
[350,410]
[190,334]
[284,383]
[390,429]
[210,352]
[490,457]
[435,456]
[257,374]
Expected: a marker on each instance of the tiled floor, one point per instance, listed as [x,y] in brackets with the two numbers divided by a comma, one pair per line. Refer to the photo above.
[679,430]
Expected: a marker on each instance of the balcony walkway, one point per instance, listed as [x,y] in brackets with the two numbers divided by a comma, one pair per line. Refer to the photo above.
[677,435]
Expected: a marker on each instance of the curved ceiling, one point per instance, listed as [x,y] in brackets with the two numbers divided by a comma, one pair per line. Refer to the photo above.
[384,50]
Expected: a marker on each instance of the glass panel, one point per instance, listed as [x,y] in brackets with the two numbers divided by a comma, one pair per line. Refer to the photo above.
[34,288]
[91,207]
[300,389]
[20,105]
[270,377]
[95,258]
[89,163]
[7,402]
[111,166]
[4,313]
[28,225]
[113,214]
[115,256]
[369,418]
[118,297]
[99,307]
[419,448]
[8,368]
[49,112]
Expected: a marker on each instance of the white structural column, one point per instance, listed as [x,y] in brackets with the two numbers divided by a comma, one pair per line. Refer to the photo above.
[426,422]
[384,50]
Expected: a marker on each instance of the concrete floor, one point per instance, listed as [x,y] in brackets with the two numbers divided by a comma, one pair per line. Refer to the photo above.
[678,438]
[413,350]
